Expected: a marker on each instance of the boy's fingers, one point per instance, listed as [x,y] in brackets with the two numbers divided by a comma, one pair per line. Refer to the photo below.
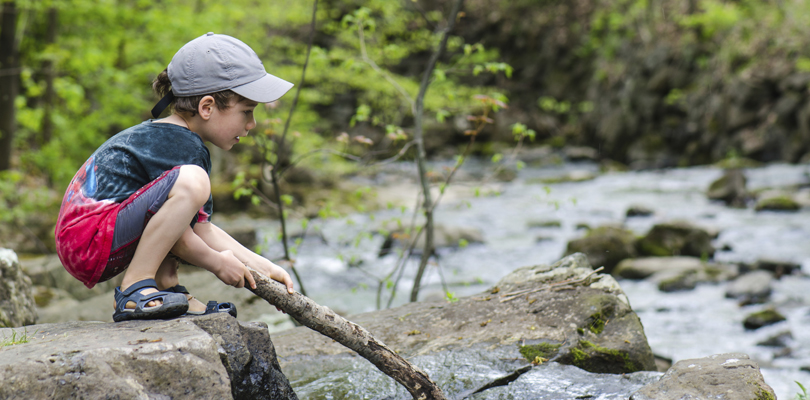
[288,282]
[250,280]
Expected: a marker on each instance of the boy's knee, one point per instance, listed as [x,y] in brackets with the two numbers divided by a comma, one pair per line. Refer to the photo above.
[194,183]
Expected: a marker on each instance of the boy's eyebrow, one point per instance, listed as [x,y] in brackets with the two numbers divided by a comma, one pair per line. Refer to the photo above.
[250,103]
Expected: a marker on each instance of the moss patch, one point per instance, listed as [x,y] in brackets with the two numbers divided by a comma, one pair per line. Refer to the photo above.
[778,203]
[596,323]
[598,359]
[543,350]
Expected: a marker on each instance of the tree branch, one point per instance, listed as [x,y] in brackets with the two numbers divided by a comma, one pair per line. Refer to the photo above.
[325,321]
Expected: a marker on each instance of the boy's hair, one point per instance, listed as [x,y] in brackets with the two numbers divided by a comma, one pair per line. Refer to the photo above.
[162,86]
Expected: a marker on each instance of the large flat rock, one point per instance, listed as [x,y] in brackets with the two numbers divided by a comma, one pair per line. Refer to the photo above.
[586,322]
[207,357]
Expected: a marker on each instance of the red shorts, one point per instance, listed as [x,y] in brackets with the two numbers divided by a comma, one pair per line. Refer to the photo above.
[96,239]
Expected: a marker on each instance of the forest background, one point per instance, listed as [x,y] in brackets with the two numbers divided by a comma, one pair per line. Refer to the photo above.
[628,83]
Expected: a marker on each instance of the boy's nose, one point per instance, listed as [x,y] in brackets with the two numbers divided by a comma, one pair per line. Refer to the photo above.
[250,125]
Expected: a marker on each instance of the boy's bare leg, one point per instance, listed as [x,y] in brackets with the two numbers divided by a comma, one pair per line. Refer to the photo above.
[166,277]
[190,192]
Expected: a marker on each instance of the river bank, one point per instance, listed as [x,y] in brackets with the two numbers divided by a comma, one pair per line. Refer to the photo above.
[532,218]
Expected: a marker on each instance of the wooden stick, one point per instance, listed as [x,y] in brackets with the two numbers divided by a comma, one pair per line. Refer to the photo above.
[325,321]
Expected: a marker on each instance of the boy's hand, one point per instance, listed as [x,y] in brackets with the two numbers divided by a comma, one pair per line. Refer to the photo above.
[276,273]
[233,272]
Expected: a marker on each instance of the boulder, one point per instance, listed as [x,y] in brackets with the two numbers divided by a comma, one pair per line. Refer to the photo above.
[674,273]
[643,268]
[605,246]
[732,376]
[676,239]
[768,316]
[778,267]
[780,202]
[562,312]
[781,339]
[206,357]
[639,211]
[753,287]
[730,189]
[17,307]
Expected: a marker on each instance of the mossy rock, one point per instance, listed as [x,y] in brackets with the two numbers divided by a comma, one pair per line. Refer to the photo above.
[605,246]
[768,316]
[730,189]
[778,203]
[686,280]
[676,239]
[598,359]
[539,352]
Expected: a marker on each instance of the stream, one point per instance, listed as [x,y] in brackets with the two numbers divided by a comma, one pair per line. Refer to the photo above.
[529,221]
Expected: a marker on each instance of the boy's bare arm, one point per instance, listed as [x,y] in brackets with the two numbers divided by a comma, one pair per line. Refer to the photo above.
[220,240]
[222,263]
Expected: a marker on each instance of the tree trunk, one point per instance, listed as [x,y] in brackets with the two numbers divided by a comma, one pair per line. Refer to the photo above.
[325,321]
[9,81]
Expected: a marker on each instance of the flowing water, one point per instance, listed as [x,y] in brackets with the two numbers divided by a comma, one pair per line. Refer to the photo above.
[527,222]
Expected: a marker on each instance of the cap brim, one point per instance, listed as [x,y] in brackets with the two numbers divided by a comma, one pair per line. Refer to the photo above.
[264,90]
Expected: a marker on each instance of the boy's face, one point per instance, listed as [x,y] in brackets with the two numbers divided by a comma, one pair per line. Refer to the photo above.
[226,127]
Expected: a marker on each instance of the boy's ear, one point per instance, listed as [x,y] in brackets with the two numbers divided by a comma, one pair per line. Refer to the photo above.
[206,107]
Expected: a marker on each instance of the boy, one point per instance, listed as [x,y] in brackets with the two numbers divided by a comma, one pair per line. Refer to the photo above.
[144,197]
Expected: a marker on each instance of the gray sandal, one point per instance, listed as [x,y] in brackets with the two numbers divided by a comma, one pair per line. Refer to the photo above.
[212,307]
[174,304]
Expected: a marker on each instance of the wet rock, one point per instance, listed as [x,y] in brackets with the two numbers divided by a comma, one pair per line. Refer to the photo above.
[639,211]
[781,339]
[751,288]
[730,189]
[768,316]
[605,246]
[778,267]
[192,358]
[588,320]
[676,239]
[556,381]
[544,224]
[675,273]
[642,268]
[679,282]
[722,376]
[17,306]
[663,363]
[781,202]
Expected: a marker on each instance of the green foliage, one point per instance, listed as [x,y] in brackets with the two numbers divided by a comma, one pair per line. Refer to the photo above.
[716,16]
[803,394]
[107,53]
[16,338]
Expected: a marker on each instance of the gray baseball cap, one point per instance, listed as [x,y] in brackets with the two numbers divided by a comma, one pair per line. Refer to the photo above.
[212,63]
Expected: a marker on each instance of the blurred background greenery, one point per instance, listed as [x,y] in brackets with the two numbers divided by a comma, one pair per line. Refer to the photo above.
[638,83]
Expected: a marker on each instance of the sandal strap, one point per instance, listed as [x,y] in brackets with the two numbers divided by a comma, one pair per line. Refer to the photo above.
[137,286]
[177,289]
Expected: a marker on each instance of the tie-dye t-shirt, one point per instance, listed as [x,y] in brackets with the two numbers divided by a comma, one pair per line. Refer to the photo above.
[119,168]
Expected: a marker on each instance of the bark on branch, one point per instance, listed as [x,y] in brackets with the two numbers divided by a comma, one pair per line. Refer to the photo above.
[325,321]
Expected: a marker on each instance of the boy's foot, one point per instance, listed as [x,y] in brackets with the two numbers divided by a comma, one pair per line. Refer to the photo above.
[196,307]
[154,305]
